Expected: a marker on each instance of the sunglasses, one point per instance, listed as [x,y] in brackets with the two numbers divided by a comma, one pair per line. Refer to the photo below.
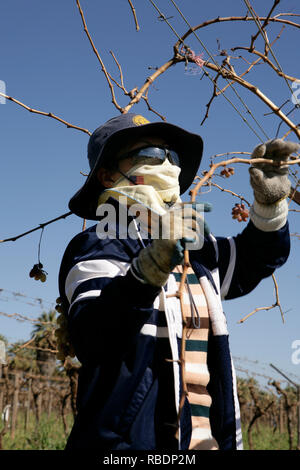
[159,153]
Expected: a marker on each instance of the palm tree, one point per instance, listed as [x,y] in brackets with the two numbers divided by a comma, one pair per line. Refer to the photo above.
[21,358]
[45,341]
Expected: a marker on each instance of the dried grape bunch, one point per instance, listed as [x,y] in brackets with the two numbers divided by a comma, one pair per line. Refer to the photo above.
[227,172]
[240,213]
[38,273]
[58,306]
[64,345]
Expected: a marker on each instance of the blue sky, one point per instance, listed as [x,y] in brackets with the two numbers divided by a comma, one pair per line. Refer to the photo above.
[48,64]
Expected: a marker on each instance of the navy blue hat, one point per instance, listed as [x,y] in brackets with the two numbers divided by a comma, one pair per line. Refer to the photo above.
[109,138]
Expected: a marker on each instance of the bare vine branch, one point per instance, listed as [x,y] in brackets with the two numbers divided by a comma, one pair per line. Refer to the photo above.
[99,58]
[22,318]
[41,226]
[134,15]
[266,21]
[229,192]
[231,161]
[276,304]
[266,59]
[275,19]
[255,90]
[42,113]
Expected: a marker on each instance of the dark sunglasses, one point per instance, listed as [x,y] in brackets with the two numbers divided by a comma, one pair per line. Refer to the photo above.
[160,153]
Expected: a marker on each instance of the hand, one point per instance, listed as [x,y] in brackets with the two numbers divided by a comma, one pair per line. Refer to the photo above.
[179,227]
[270,182]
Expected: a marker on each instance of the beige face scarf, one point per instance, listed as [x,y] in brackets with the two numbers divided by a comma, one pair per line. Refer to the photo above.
[156,188]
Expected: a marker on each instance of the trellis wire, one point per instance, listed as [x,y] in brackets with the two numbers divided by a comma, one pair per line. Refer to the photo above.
[216,63]
[251,11]
[208,75]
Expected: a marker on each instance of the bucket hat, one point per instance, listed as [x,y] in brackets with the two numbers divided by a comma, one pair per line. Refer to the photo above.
[107,139]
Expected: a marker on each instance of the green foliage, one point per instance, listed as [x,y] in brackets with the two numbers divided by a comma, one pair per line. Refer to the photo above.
[43,332]
[265,439]
[22,359]
[49,435]
[44,338]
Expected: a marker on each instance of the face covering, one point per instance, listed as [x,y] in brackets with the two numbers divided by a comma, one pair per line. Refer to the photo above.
[157,187]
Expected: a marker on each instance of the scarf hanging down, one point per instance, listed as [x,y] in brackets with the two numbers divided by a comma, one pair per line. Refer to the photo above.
[196,371]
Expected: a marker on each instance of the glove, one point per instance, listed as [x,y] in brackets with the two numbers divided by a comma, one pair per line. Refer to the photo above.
[183,225]
[271,183]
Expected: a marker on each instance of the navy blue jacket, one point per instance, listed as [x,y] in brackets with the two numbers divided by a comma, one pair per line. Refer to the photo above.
[125,394]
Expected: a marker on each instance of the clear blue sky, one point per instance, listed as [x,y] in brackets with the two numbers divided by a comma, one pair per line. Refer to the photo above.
[47,63]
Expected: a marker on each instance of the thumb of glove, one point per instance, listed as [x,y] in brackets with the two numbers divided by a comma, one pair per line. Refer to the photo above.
[259,151]
[256,177]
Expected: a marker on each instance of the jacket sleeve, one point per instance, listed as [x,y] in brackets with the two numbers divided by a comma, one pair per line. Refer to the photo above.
[107,303]
[109,323]
[246,259]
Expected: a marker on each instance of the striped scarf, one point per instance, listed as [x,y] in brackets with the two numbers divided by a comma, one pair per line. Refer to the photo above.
[196,371]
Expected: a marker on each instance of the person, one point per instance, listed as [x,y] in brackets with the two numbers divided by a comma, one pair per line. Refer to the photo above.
[118,290]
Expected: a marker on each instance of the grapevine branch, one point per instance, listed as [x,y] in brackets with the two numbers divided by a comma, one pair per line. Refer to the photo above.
[135,95]
[203,181]
[215,93]
[40,377]
[54,351]
[258,412]
[265,37]
[225,63]
[215,166]
[42,113]
[179,294]
[267,60]
[275,19]
[255,90]
[98,57]
[230,192]
[24,345]
[266,21]
[186,265]
[140,94]
[134,15]
[251,373]
[19,296]
[276,304]
[229,153]
[225,73]
[41,226]
[295,195]
[22,318]
[132,93]
[255,62]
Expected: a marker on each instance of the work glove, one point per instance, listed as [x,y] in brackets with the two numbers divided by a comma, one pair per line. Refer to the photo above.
[183,227]
[271,183]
